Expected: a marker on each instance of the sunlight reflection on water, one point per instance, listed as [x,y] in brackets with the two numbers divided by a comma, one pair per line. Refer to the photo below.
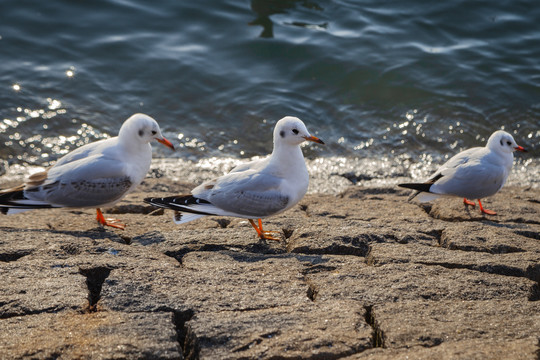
[327,175]
[393,89]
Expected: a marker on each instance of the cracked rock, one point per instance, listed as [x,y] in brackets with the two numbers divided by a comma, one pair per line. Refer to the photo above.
[361,275]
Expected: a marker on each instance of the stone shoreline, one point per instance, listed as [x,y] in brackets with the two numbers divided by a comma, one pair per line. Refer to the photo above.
[360,275]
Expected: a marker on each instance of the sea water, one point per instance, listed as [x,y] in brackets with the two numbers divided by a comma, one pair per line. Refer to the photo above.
[394,88]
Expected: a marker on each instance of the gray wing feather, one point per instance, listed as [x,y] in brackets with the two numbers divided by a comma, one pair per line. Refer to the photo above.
[87,193]
[87,182]
[85,151]
[472,180]
[247,193]
[251,203]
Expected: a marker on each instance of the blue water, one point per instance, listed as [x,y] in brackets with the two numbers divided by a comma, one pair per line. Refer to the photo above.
[392,87]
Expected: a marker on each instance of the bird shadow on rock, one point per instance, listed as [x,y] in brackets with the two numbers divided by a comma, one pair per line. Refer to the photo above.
[453,213]
[149,238]
[256,257]
[265,247]
[96,233]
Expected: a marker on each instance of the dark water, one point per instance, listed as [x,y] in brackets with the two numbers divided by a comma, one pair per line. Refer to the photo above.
[393,88]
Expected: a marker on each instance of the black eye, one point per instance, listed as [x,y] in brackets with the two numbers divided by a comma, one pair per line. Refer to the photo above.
[141,133]
[295,132]
[508,143]
[154,132]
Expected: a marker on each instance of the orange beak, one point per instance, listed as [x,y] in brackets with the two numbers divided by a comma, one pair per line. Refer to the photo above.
[165,142]
[314,139]
[520,148]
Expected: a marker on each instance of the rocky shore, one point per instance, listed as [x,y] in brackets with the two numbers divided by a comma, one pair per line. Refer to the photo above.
[361,275]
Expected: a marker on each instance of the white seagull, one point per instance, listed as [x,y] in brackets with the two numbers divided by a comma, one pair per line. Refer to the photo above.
[253,190]
[95,175]
[472,174]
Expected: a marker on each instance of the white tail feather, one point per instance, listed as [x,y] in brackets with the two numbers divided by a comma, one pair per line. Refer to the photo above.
[184,217]
[425,196]
[12,211]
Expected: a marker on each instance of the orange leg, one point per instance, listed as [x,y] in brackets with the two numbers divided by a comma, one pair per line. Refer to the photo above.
[485,211]
[108,222]
[469,202]
[265,235]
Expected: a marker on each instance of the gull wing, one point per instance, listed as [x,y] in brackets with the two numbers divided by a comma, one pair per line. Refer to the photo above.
[248,194]
[88,182]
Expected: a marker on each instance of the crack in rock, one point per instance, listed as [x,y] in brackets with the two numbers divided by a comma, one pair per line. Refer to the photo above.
[334,249]
[14,256]
[184,334]
[529,234]
[248,345]
[318,269]
[535,293]
[533,273]
[448,243]
[287,232]
[436,234]
[343,245]
[495,249]
[377,334]
[95,277]
[312,291]
[489,269]
[27,312]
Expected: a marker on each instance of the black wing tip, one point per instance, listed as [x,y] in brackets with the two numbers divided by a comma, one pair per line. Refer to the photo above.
[422,187]
[178,202]
[158,202]
[182,200]
[408,185]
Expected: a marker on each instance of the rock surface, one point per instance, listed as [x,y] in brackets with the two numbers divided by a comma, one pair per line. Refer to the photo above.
[361,275]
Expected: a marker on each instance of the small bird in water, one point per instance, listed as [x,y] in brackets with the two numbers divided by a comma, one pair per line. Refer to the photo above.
[253,190]
[96,175]
[472,174]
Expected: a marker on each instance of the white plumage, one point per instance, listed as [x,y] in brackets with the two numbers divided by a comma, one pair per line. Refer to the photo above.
[95,175]
[472,174]
[253,190]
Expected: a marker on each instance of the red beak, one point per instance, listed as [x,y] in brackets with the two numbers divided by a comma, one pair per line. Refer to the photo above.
[165,142]
[314,139]
[520,148]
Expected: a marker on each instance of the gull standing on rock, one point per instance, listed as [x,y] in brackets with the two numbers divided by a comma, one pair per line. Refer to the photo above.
[472,174]
[95,175]
[253,190]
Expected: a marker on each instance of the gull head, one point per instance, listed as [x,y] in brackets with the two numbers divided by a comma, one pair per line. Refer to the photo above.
[141,128]
[292,131]
[502,142]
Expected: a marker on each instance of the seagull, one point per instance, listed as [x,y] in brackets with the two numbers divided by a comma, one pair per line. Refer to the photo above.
[95,175]
[472,174]
[253,190]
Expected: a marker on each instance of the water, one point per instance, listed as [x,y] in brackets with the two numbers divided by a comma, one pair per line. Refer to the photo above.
[393,88]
